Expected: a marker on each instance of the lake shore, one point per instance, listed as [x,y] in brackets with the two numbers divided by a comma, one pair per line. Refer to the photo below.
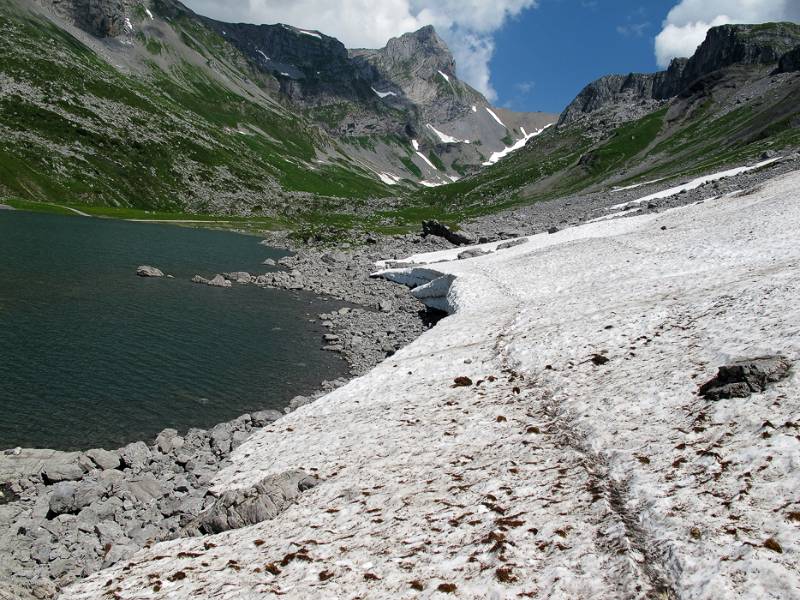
[69,514]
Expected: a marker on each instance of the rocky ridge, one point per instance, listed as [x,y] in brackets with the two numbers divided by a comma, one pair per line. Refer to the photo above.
[758,46]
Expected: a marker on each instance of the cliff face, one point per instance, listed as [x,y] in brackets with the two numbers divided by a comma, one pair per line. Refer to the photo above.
[101,18]
[790,61]
[724,46]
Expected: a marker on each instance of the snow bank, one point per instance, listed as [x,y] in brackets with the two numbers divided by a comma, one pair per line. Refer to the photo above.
[446,139]
[389,178]
[575,463]
[695,183]
[495,157]
[383,94]
[495,117]
[427,161]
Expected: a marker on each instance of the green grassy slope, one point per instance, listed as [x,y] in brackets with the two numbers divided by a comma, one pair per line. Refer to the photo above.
[168,136]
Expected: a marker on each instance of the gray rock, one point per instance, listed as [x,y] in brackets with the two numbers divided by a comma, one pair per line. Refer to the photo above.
[269,262]
[238,277]
[147,271]
[219,281]
[135,456]
[265,417]
[473,253]
[745,377]
[512,243]
[146,489]
[240,508]
[56,470]
[169,441]
[104,459]
[437,229]
[62,498]
[109,532]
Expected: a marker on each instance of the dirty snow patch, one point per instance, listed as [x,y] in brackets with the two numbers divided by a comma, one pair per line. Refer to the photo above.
[696,183]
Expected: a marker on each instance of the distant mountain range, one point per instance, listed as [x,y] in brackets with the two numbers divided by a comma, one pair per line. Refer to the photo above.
[143,103]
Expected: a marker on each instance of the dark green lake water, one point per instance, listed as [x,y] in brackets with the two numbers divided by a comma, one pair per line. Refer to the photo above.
[93,356]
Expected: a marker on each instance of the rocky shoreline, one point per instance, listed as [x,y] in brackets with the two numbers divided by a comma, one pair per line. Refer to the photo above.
[66,515]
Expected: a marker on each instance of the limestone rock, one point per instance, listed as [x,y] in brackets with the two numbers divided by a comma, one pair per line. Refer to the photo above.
[104,459]
[147,271]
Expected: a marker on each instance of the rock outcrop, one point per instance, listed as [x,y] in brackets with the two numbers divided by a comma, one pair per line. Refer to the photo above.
[147,271]
[101,18]
[746,45]
[790,62]
[745,377]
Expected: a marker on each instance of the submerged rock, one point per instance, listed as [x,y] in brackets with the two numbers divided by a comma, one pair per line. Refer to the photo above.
[745,377]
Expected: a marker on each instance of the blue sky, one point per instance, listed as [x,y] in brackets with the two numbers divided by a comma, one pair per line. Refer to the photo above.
[545,55]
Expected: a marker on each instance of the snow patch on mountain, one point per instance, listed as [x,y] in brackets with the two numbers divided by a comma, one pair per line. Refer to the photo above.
[383,94]
[446,139]
[696,183]
[494,116]
[496,156]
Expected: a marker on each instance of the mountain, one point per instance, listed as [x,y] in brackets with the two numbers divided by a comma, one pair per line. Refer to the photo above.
[732,101]
[143,103]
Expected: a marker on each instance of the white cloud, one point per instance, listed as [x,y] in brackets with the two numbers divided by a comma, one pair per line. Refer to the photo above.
[687,23]
[468,26]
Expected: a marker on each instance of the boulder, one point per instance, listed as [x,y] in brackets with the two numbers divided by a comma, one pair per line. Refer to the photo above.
[473,253]
[269,262]
[168,441]
[135,456]
[512,243]
[219,281]
[743,378]
[438,229]
[238,277]
[263,418]
[104,459]
[56,470]
[147,271]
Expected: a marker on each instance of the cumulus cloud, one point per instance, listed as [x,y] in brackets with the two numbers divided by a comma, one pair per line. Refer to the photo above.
[687,23]
[468,26]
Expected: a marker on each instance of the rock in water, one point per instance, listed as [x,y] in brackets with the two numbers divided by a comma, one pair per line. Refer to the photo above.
[238,277]
[148,271]
[745,377]
[219,281]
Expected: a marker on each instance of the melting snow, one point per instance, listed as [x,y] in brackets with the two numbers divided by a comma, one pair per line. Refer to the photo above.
[560,476]
[696,183]
[128,25]
[446,78]
[425,158]
[383,94]
[264,55]
[474,108]
[148,13]
[415,143]
[446,139]
[311,33]
[431,184]
[519,144]
[389,179]
[636,185]
[496,118]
